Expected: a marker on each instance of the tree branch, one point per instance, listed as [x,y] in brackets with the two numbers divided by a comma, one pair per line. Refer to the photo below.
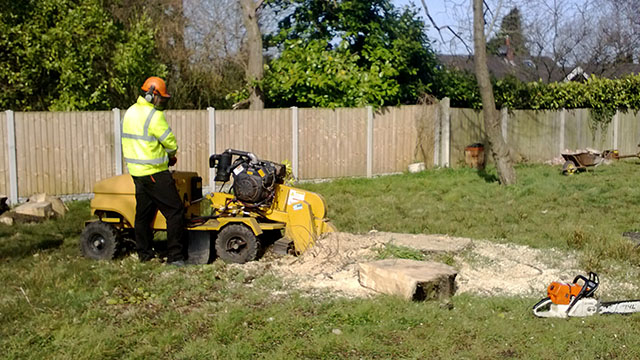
[495,17]
[446,27]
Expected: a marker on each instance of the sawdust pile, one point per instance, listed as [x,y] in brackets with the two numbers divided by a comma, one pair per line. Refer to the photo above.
[332,264]
[484,268]
[507,269]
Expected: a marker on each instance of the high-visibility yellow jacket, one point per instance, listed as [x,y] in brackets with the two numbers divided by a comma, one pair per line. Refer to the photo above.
[147,139]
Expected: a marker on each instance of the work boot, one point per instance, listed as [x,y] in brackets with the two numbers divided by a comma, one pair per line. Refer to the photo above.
[145,256]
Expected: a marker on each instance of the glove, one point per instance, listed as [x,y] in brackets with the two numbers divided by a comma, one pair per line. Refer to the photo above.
[173,160]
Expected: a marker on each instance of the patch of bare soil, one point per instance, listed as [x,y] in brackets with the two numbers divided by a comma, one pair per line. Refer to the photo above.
[484,268]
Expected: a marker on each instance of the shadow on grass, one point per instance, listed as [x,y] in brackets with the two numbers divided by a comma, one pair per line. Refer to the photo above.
[23,246]
[23,239]
[488,177]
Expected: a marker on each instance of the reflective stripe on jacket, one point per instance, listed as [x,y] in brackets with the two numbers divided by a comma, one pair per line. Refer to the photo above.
[147,139]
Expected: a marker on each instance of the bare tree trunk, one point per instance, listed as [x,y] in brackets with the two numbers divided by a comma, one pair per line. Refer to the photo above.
[499,149]
[255,68]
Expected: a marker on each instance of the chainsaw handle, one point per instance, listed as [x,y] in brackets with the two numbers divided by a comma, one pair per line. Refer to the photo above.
[590,284]
[541,308]
[588,288]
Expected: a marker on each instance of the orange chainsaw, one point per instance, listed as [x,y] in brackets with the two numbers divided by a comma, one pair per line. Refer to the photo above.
[577,299]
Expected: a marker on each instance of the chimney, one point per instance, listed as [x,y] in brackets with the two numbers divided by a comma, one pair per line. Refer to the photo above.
[510,54]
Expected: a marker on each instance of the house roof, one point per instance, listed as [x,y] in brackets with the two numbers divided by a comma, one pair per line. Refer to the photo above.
[612,71]
[528,68]
[524,68]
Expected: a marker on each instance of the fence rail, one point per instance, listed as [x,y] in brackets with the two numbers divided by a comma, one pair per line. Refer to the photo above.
[65,153]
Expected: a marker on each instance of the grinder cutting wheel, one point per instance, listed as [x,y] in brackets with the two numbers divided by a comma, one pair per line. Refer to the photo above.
[255,209]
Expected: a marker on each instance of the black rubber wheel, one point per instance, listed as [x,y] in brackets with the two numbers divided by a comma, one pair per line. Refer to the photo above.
[569,168]
[237,244]
[99,241]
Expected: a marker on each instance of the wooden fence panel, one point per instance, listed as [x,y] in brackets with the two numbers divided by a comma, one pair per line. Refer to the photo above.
[67,152]
[125,170]
[25,154]
[581,134]
[333,143]
[4,156]
[467,127]
[575,121]
[534,135]
[191,129]
[628,133]
[266,133]
[395,138]
[63,153]
[602,137]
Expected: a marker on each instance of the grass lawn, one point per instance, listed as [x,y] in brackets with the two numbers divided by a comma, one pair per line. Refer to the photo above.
[55,304]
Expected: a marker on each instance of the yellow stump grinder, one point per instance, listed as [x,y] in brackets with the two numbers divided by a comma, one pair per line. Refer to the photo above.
[236,225]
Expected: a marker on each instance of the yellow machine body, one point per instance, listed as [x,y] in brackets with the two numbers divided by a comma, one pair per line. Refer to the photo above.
[114,199]
[300,213]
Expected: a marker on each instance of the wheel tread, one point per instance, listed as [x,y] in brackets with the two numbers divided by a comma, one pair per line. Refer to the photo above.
[110,235]
[236,230]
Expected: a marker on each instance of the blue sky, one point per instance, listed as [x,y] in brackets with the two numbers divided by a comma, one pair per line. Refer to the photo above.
[438,12]
[436,7]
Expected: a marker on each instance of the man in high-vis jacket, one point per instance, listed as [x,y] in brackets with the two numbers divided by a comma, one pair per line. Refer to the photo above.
[149,148]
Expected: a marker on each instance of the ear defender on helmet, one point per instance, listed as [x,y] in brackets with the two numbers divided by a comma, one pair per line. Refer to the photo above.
[149,94]
[154,86]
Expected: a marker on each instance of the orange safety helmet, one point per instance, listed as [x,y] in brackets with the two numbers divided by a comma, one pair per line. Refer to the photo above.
[156,86]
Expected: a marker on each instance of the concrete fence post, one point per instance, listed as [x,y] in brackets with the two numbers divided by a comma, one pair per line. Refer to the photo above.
[436,137]
[561,143]
[369,141]
[212,145]
[616,129]
[117,140]
[504,122]
[11,154]
[445,128]
[295,144]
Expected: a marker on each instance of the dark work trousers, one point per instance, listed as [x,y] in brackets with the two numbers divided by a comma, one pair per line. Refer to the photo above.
[158,192]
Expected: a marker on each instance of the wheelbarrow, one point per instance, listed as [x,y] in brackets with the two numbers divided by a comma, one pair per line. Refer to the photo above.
[615,155]
[577,162]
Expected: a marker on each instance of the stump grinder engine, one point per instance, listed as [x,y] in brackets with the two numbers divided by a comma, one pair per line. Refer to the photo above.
[257,209]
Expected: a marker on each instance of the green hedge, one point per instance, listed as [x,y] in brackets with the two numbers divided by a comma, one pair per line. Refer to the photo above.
[603,96]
